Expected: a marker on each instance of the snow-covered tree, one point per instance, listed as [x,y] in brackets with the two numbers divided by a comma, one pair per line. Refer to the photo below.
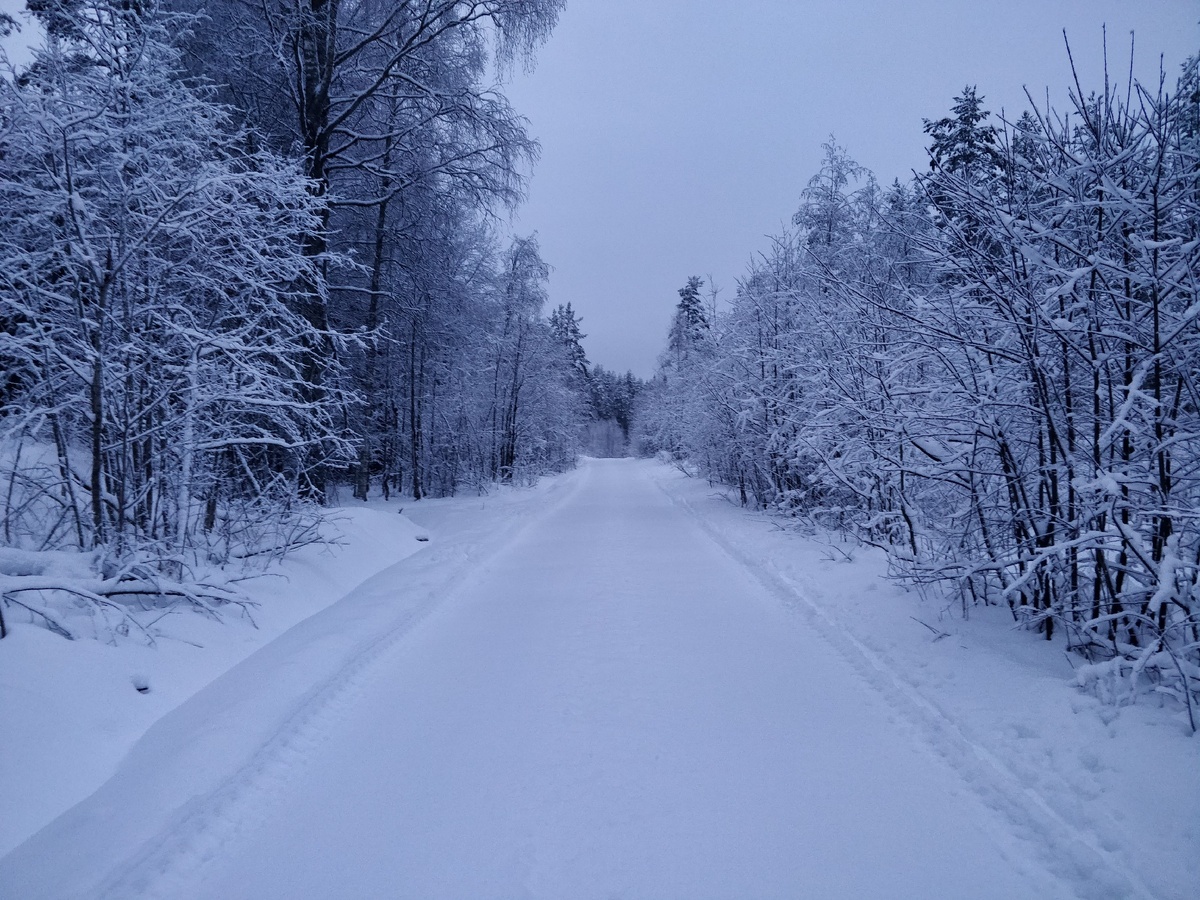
[991,372]
[565,326]
[149,254]
[389,108]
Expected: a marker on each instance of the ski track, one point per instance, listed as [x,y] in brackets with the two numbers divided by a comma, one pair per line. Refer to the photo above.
[1055,839]
[167,866]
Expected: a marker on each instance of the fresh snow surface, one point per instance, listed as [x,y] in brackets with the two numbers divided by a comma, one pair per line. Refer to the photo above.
[616,685]
[71,709]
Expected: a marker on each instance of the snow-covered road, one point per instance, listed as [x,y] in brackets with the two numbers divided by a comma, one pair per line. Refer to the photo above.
[611,706]
[615,708]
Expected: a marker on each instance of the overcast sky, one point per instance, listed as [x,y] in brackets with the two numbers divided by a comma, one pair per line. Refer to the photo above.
[677,134]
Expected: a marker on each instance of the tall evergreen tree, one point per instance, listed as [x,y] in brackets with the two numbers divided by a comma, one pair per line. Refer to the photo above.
[690,322]
[963,144]
[566,328]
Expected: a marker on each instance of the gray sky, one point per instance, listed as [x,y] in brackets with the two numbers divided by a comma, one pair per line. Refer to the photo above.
[677,134]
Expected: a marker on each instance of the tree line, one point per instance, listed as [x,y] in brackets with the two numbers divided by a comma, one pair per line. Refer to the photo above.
[992,371]
[251,256]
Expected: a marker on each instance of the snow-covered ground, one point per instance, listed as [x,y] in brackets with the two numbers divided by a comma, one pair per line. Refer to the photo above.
[1111,792]
[615,684]
[72,711]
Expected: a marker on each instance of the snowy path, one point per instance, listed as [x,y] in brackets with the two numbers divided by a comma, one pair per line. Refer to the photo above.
[614,708]
[610,707]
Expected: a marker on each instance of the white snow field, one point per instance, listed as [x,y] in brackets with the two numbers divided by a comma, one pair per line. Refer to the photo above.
[622,687]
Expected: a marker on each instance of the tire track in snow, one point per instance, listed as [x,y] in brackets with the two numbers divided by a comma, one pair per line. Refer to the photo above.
[199,833]
[1066,848]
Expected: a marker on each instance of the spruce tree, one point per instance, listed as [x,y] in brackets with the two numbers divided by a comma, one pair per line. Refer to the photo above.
[690,322]
[565,326]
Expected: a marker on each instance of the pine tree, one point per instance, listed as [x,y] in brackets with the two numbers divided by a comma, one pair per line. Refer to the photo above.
[690,322]
[565,326]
